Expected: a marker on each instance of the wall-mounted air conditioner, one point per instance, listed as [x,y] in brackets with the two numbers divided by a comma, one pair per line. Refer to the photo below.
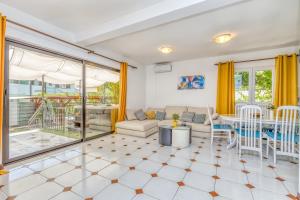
[162,67]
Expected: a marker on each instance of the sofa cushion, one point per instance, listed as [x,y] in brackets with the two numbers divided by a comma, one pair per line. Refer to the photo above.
[99,122]
[165,122]
[150,114]
[170,110]
[199,118]
[130,114]
[140,115]
[160,115]
[156,109]
[199,127]
[137,125]
[187,116]
[200,110]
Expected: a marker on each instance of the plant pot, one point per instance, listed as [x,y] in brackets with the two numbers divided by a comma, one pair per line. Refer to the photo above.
[174,123]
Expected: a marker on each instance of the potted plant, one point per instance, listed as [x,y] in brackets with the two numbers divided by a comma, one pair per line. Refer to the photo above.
[271,109]
[175,117]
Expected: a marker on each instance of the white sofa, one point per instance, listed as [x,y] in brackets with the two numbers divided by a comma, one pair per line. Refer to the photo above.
[148,127]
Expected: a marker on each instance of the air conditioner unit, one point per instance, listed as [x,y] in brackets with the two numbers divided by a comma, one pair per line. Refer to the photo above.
[162,67]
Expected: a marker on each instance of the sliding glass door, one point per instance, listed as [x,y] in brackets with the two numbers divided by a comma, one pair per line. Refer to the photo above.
[43,101]
[53,100]
[102,97]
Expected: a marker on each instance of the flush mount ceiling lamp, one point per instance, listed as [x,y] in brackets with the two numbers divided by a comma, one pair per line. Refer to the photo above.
[165,49]
[223,38]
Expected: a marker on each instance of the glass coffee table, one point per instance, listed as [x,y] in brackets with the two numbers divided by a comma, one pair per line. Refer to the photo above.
[179,136]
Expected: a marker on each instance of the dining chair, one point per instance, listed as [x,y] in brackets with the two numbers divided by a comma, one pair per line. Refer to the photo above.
[238,107]
[249,132]
[219,129]
[285,137]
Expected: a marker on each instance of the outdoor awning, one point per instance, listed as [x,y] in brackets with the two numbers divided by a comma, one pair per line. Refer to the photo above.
[30,65]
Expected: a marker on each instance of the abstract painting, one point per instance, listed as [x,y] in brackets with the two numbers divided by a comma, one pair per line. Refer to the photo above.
[191,82]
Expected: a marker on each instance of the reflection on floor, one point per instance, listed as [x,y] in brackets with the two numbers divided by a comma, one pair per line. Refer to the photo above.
[26,142]
[117,167]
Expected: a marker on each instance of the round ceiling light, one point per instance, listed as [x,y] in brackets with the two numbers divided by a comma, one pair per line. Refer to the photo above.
[165,49]
[223,38]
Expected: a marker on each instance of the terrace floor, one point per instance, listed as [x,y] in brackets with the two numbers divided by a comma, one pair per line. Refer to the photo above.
[31,141]
[118,167]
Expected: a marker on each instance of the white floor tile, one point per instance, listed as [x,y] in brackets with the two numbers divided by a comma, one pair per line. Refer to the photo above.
[265,195]
[187,193]
[161,188]
[129,161]
[23,184]
[204,168]
[115,192]
[43,164]
[57,170]
[149,166]
[172,173]
[180,162]
[113,171]
[81,160]
[143,197]
[42,192]
[97,165]
[233,190]
[67,196]
[91,186]
[232,175]
[135,179]
[199,181]
[72,177]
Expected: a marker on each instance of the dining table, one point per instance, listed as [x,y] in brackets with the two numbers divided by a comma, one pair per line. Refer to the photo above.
[234,119]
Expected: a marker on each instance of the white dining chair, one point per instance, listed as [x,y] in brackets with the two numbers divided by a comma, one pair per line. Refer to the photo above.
[238,107]
[249,132]
[218,130]
[285,137]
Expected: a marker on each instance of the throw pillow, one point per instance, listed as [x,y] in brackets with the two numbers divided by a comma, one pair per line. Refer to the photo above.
[160,115]
[199,118]
[130,114]
[187,116]
[140,115]
[150,114]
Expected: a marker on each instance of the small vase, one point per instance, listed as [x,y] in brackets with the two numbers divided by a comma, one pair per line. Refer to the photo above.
[174,123]
[271,114]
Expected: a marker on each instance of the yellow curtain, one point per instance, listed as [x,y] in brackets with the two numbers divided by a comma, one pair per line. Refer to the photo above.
[286,83]
[123,91]
[114,118]
[225,91]
[2,51]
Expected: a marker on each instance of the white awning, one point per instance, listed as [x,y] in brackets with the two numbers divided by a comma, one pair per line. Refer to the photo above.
[30,65]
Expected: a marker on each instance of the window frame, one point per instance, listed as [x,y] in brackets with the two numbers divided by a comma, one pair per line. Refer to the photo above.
[251,70]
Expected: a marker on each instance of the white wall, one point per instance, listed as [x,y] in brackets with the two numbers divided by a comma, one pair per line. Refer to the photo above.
[161,89]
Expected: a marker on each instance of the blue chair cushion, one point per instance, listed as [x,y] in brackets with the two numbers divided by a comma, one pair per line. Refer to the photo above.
[223,126]
[243,133]
[279,135]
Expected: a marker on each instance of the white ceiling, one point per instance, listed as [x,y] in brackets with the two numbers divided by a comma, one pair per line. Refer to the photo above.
[78,15]
[259,24]
[136,28]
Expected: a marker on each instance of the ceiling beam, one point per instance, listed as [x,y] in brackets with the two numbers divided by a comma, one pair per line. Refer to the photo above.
[161,13]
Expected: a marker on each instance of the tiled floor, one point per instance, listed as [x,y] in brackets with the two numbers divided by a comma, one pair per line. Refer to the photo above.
[34,140]
[128,168]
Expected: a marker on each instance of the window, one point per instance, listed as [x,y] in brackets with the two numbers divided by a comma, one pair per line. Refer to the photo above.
[254,85]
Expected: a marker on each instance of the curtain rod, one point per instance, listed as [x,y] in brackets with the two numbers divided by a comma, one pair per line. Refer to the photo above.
[259,59]
[89,51]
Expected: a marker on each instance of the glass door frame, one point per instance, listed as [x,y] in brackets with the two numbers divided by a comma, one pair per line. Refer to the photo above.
[5,128]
